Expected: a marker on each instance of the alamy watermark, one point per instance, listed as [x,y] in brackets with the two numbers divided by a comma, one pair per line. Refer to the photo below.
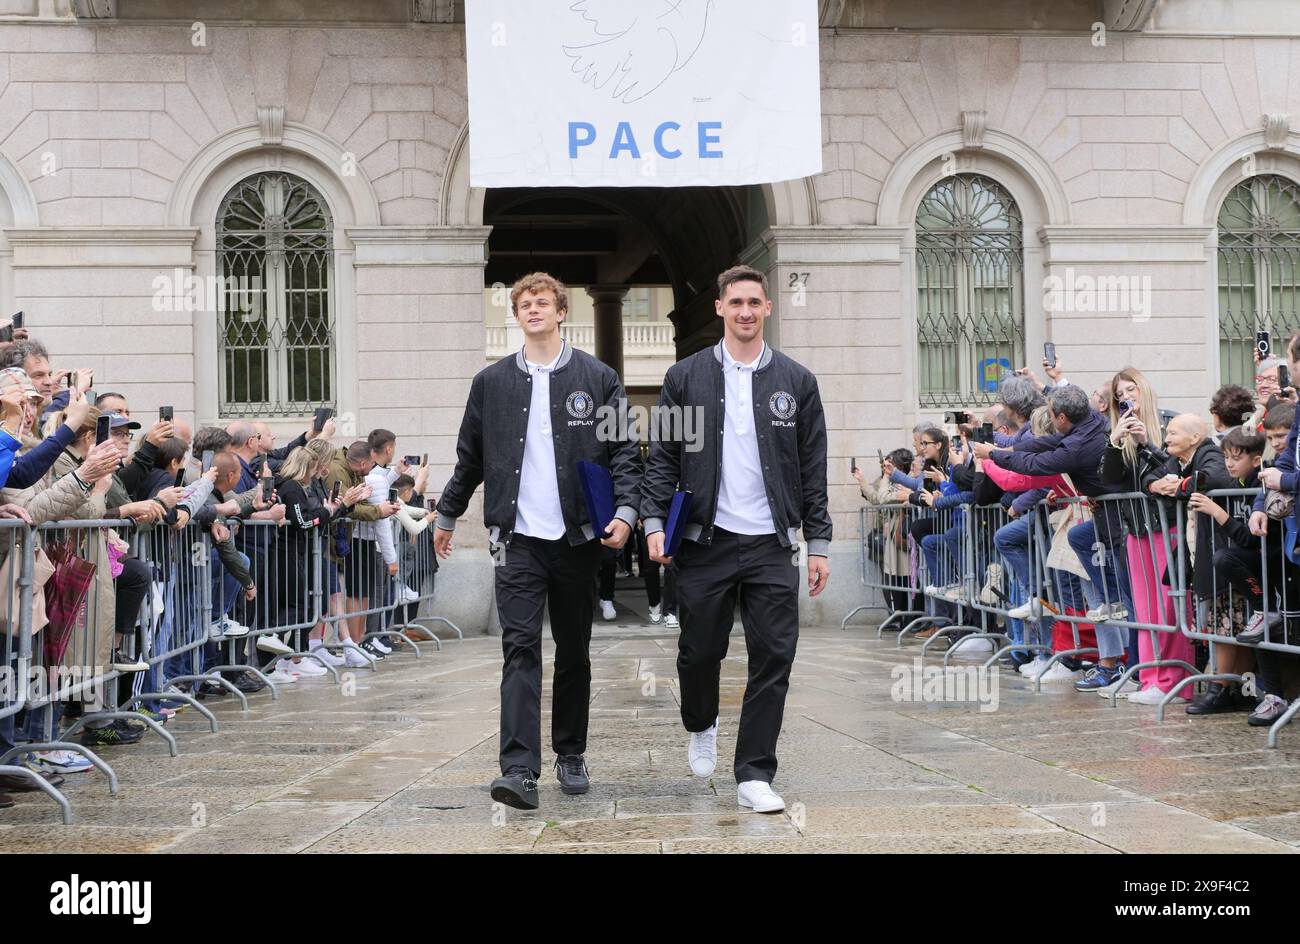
[183,291]
[936,684]
[1102,294]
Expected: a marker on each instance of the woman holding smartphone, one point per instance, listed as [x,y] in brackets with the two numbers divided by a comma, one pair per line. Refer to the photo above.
[308,507]
[1134,458]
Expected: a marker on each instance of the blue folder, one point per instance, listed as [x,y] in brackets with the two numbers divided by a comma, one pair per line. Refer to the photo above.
[678,514]
[598,490]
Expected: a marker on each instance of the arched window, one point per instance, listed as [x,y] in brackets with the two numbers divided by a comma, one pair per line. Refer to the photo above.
[970,290]
[275,256]
[1259,282]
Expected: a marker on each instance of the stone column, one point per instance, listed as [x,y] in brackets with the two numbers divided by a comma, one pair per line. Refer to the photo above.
[608,303]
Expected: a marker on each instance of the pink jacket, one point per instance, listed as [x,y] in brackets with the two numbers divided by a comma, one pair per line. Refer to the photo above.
[1010,481]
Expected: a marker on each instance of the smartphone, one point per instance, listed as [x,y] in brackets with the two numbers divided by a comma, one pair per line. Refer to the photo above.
[432,503]
[72,379]
[955,444]
[1202,481]
[1049,353]
[268,486]
[426,459]
[1263,345]
[392,495]
[180,478]
[986,433]
[411,461]
[1283,377]
[956,417]
[853,465]
[334,492]
[322,414]
[1127,406]
[17,320]
[165,414]
[103,429]
[206,461]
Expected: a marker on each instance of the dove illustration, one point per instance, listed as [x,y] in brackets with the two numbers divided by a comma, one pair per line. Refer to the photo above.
[628,48]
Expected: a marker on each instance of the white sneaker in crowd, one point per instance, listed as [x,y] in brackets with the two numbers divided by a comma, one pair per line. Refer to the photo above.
[671,621]
[406,595]
[379,643]
[309,668]
[354,657]
[607,609]
[703,752]
[1059,672]
[1132,686]
[232,630]
[1030,609]
[318,647]
[273,644]
[59,762]
[1148,696]
[281,675]
[1033,667]
[758,796]
[655,616]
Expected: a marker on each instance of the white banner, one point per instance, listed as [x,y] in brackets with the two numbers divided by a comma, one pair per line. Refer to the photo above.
[636,93]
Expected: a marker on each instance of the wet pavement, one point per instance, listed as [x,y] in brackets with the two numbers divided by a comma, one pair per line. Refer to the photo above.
[399,761]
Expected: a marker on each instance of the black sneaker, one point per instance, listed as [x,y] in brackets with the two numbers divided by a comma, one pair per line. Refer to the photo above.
[517,787]
[210,689]
[248,683]
[112,735]
[372,651]
[1215,700]
[571,771]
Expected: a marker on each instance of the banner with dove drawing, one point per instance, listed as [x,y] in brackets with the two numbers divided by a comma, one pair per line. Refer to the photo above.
[637,93]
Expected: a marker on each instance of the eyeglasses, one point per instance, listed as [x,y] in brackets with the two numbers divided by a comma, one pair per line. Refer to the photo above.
[930,442]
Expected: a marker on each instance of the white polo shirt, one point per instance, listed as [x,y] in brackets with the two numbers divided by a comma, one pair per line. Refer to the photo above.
[742,499]
[538,513]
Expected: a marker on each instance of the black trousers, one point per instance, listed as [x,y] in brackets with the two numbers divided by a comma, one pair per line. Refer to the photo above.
[533,574]
[763,575]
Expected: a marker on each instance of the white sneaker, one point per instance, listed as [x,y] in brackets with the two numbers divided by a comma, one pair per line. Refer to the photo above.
[406,595]
[1034,667]
[1059,672]
[354,657]
[1030,609]
[607,609]
[379,644]
[309,668]
[60,762]
[671,621]
[1148,696]
[281,675]
[656,616]
[758,796]
[273,644]
[1131,687]
[232,630]
[703,752]
[318,649]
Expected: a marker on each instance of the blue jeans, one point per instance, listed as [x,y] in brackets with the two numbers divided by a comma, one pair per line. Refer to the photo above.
[1108,584]
[226,592]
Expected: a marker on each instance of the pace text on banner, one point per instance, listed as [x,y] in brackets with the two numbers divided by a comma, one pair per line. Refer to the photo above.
[636,93]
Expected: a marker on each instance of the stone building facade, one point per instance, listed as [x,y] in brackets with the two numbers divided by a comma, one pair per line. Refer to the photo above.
[122,138]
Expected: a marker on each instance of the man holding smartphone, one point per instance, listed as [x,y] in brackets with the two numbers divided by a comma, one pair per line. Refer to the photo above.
[531,417]
[759,478]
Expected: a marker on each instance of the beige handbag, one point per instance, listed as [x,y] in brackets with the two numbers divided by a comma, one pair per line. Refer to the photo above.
[1061,556]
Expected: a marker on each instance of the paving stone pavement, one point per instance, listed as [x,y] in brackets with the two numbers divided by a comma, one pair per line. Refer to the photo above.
[403,763]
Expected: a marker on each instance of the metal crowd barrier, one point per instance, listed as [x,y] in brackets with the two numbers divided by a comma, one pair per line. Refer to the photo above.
[883,532]
[1267,582]
[417,570]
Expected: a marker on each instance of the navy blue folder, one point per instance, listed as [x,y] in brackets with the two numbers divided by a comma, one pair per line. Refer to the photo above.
[678,514]
[598,489]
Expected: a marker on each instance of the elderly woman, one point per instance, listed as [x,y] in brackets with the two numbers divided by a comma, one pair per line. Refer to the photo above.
[1188,451]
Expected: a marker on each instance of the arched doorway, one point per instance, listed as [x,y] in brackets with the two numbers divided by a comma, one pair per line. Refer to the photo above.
[635,251]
